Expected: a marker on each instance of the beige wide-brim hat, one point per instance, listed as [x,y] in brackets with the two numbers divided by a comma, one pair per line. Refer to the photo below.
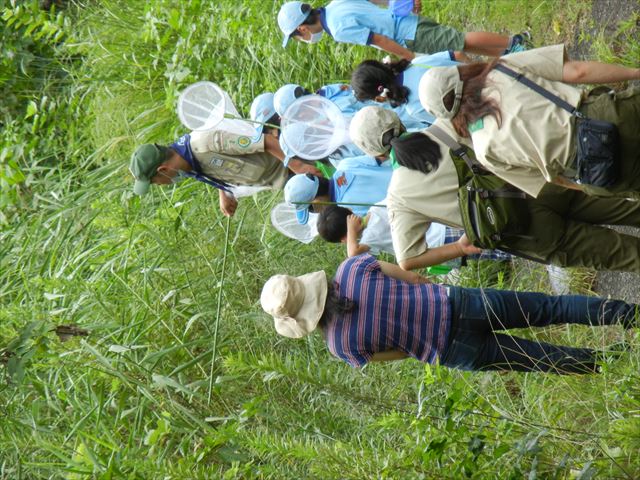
[435,84]
[369,126]
[295,303]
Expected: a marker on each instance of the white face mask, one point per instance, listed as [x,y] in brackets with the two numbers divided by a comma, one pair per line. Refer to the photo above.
[179,177]
[315,37]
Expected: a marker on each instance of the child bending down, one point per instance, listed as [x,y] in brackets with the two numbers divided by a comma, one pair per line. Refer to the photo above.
[372,233]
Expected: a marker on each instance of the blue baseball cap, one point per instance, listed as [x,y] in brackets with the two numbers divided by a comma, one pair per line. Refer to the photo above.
[262,109]
[285,96]
[290,17]
[300,190]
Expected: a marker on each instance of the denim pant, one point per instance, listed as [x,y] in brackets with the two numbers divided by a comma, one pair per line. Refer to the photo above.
[478,313]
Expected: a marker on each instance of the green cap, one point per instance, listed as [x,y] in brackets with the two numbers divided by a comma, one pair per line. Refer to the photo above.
[144,165]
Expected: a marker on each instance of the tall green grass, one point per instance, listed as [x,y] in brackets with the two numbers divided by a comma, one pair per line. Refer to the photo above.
[182,375]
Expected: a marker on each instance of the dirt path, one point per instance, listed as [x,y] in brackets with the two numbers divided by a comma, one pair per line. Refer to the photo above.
[607,14]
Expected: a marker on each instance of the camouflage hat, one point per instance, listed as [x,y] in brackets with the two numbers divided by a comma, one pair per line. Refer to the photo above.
[144,165]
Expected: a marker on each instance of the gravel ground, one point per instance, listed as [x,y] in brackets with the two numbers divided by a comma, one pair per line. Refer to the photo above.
[606,14]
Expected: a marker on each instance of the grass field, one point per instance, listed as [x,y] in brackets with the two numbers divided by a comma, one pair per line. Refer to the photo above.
[181,375]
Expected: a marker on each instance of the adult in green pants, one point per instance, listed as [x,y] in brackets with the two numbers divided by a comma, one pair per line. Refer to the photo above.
[565,224]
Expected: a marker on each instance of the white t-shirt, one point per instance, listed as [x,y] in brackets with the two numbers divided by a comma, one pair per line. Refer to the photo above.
[377,234]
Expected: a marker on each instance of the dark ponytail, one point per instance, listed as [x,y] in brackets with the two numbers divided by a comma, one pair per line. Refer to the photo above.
[335,305]
[416,151]
[371,77]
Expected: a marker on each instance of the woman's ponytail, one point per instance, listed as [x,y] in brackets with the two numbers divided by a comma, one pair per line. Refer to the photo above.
[416,151]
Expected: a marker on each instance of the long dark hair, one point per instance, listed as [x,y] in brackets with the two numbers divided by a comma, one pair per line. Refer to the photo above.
[473,105]
[371,77]
[416,151]
[335,305]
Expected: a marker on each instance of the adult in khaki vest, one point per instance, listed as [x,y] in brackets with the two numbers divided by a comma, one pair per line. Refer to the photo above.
[564,223]
[220,158]
[523,137]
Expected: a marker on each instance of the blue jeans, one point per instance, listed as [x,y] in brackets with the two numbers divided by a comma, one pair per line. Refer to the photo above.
[478,313]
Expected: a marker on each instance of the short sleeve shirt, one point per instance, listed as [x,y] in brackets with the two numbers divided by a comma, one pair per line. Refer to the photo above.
[535,142]
[360,180]
[355,21]
[377,233]
[389,315]
[411,77]
[416,199]
[237,159]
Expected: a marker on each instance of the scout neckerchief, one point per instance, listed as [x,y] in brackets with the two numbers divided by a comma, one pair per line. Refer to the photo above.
[183,148]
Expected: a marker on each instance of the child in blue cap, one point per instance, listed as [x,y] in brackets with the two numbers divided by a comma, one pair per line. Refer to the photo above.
[363,23]
[358,183]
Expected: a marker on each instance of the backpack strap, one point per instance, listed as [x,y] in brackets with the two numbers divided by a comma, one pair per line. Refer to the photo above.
[457,149]
[507,192]
[538,89]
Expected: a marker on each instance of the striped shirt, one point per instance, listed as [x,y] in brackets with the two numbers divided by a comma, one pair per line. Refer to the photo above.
[389,315]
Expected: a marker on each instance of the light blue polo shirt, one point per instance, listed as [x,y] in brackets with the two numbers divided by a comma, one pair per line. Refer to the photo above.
[355,21]
[411,77]
[360,180]
[344,99]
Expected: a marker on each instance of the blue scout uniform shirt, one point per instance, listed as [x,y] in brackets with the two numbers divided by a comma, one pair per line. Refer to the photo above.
[344,99]
[360,180]
[411,77]
[355,21]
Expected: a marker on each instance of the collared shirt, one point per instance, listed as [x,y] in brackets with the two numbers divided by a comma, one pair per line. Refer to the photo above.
[183,147]
[416,199]
[359,180]
[389,315]
[342,97]
[355,21]
[237,159]
[536,141]
[411,77]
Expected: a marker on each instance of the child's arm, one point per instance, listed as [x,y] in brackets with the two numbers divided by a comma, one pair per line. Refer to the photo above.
[354,227]
[394,271]
[385,43]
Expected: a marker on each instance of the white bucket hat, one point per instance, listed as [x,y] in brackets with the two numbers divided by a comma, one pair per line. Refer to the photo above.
[295,303]
[435,84]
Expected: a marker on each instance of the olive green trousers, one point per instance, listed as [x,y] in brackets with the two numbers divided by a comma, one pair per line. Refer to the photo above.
[565,230]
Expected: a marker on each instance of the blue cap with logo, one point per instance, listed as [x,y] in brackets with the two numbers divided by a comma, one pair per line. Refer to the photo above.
[290,17]
[262,109]
[285,96]
[300,190]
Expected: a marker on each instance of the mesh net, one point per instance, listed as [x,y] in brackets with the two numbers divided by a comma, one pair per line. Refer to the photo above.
[314,127]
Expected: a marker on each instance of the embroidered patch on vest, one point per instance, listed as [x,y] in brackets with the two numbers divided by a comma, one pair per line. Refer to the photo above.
[244,142]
